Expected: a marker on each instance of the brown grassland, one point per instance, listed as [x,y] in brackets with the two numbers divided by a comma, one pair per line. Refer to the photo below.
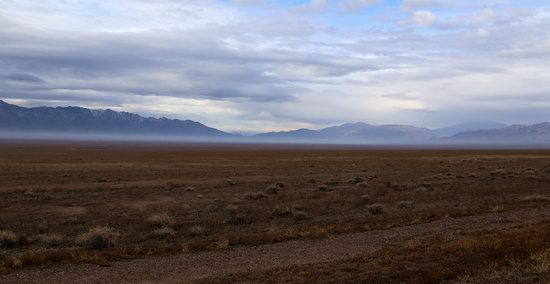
[426,216]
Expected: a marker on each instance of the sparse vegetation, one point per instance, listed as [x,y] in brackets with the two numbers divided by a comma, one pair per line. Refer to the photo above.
[272,189]
[98,238]
[159,220]
[404,204]
[323,187]
[7,239]
[497,208]
[363,200]
[51,240]
[540,262]
[163,233]
[217,215]
[255,195]
[220,244]
[376,209]
[422,189]
[301,215]
[499,172]
[355,180]
[281,211]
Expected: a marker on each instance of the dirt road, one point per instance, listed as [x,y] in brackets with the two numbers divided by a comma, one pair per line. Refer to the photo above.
[193,266]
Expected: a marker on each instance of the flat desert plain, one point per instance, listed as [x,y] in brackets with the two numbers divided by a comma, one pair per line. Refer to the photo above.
[168,213]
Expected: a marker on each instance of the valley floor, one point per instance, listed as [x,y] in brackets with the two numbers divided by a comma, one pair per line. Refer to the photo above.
[111,213]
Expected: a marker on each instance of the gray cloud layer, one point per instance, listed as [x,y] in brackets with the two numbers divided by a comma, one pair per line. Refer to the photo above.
[240,66]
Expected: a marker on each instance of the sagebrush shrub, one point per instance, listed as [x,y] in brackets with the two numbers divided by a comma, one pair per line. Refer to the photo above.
[159,220]
[8,239]
[99,238]
[376,208]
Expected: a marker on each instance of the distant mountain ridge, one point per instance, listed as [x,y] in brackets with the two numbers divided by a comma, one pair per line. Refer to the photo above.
[354,132]
[78,120]
[83,120]
[468,126]
[539,131]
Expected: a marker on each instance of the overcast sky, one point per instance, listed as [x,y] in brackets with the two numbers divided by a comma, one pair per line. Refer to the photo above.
[261,65]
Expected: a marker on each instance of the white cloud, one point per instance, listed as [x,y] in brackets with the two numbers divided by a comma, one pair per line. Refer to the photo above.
[424,4]
[355,5]
[313,6]
[424,18]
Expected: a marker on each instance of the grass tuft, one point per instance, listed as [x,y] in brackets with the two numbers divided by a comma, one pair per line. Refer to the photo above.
[8,239]
[98,238]
[376,209]
[159,220]
[163,233]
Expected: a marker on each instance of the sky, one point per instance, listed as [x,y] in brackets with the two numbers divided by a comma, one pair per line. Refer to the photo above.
[262,65]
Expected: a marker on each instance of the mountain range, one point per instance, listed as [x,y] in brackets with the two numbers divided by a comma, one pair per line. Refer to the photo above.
[535,132]
[78,120]
[452,130]
[81,120]
[354,132]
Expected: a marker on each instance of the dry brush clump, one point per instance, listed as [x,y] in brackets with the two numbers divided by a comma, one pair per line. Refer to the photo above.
[301,215]
[281,211]
[499,172]
[363,200]
[404,204]
[324,187]
[280,184]
[163,233]
[355,180]
[496,208]
[159,220]
[50,240]
[220,244]
[272,189]
[8,239]
[376,209]
[236,217]
[232,209]
[422,189]
[255,195]
[540,262]
[98,238]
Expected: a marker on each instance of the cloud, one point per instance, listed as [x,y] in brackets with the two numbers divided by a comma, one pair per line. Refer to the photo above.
[424,4]
[23,78]
[249,2]
[268,65]
[355,5]
[313,6]
[424,18]
[318,4]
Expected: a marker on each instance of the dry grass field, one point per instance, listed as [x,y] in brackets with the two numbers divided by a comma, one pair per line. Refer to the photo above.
[177,213]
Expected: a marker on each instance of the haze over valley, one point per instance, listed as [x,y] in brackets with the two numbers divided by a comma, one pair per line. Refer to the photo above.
[61,122]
